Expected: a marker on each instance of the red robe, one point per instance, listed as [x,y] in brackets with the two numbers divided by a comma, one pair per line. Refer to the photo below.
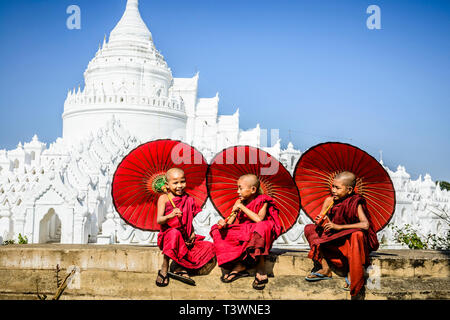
[174,234]
[348,248]
[245,238]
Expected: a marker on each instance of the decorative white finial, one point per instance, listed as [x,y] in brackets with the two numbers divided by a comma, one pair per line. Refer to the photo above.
[133,3]
[131,25]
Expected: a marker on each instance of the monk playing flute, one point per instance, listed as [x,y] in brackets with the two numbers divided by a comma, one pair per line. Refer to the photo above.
[346,237]
[245,239]
[177,239]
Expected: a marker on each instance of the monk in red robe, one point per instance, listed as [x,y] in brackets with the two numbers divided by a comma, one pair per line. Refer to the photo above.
[246,238]
[177,238]
[347,236]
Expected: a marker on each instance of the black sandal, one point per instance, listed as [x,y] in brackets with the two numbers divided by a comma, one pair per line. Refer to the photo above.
[222,278]
[164,278]
[236,275]
[178,276]
[259,284]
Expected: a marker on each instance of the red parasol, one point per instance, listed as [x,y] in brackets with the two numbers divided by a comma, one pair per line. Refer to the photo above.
[276,182]
[317,167]
[139,178]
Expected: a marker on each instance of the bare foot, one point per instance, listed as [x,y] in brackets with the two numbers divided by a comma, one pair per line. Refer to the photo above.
[321,274]
[261,276]
[162,278]
[239,267]
[325,272]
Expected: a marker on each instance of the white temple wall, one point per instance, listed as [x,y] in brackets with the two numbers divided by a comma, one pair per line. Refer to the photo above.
[146,125]
[86,172]
[6,225]
[187,89]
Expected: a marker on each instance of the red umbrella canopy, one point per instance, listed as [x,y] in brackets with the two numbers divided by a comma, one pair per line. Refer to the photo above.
[138,179]
[275,181]
[317,167]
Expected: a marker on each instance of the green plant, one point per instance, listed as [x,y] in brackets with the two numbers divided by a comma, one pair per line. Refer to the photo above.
[438,243]
[408,236]
[23,240]
[444,185]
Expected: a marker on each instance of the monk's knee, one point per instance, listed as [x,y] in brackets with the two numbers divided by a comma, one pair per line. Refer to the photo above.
[358,235]
[174,232]
[309,227]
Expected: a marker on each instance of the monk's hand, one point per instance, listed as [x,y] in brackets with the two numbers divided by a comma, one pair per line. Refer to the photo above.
[331,226]
[237,205]
[176,212]
[317,219]
[191,239]
[222,223]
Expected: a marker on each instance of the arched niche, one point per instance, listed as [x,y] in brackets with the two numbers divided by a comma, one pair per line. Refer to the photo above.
[50,228]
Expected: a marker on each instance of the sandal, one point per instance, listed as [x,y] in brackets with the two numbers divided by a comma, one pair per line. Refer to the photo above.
[236,275]
[222,278]
[163,283]
[178,275]
[259,284]
[317,277]
[346,287]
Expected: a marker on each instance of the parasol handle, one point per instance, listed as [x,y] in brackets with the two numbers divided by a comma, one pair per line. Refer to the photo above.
[164,188]
[171,201]
[233,214]
[324,214]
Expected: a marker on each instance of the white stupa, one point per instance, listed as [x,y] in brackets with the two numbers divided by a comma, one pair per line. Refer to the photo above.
[129,78]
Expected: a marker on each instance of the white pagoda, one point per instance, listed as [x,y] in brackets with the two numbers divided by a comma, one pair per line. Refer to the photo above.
[129,78]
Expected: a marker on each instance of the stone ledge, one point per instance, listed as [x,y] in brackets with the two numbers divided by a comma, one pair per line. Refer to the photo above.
[129,272]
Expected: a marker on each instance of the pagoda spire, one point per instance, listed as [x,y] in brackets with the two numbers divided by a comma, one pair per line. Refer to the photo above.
[131,26]
[133,3]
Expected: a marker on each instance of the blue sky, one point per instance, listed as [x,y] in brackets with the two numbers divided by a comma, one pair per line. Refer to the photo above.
[311,69]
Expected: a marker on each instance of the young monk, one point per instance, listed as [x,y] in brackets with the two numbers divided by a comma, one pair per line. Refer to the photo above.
[245,239]
[177,239]
[346,238]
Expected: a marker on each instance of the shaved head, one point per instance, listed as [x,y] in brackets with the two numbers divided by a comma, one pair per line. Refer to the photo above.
[251,179]
[173,172]
[347,178]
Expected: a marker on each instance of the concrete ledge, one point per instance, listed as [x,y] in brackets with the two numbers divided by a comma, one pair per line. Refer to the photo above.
[129,272]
